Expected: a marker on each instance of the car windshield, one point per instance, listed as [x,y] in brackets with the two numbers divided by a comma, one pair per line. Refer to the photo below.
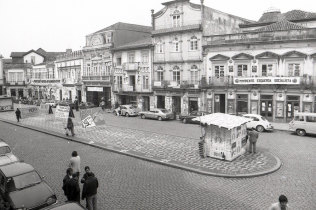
[164,110]
[24,180]
[4,150]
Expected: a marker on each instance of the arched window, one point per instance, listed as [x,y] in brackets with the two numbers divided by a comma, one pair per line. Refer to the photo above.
[194,74]
[176,74]
[159,68]
[176,18]
[193,43]
[176,46]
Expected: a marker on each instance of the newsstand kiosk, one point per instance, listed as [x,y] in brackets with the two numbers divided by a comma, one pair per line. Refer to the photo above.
[225,135]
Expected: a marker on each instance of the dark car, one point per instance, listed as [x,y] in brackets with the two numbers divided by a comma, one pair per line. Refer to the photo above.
[66,206]
[86,105]
[188,118]
[23,188]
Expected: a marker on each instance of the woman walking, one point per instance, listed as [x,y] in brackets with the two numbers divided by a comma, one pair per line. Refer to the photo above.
[18,114]
[70,127]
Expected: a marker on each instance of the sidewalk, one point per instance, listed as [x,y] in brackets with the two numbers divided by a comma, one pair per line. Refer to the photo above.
[164,149]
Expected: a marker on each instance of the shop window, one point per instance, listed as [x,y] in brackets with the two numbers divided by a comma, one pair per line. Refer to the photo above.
[242,70]
[294,69]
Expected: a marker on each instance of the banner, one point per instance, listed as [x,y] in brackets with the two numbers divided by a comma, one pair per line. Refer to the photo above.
[62,112]
[267,80]
[29,112]
[95,113]
[88,122]
[44,108]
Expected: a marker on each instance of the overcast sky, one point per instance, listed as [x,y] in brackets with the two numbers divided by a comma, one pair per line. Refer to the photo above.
[55,25]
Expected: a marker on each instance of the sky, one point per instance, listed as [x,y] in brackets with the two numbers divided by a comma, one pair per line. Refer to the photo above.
[56,25]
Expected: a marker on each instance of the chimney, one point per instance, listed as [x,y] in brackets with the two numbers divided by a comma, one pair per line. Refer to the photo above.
[152,19]
[68,51]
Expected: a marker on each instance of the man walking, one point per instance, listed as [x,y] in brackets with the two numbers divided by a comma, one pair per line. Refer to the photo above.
[18,114]
[89,191]
[65,181]
[253,137]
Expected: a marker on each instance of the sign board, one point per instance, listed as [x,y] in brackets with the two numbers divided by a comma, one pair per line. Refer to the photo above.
[97,89]
[267,80]
[44,108]
[62,112]
[157,83]
[88,122]
[29,112]
[95,113]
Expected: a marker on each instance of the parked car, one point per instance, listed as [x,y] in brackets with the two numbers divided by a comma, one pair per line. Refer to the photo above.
[86,105]
[159,114]
[6,155]
[128,110]
[23,188]
[52,103]
[188,118]
[303,123]
[258,122]
[65,206]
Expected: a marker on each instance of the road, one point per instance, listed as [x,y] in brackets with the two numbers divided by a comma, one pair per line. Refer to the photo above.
[129,183]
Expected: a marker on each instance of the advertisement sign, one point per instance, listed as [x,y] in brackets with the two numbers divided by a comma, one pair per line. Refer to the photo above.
[97,89]
[96,115]
[44,108]
[88,122]
[267,80]
[62,112]
[29,112]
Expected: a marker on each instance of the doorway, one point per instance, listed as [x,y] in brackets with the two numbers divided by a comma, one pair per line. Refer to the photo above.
[292,105]
[145,103]
[60,95]
[266,106]
[132,81]
[193,104]
[176,104]
[242,104]
[161,102]
[79,96]
[219,103]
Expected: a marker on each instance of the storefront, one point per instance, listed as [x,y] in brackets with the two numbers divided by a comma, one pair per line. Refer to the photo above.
[219,103]
[292,105]
[266,106]
[242,104]
[161,101]
[95,94]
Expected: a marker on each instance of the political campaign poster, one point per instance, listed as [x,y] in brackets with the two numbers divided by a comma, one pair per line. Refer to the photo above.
[88,122]
[96,114]
[29,112]
[62,112]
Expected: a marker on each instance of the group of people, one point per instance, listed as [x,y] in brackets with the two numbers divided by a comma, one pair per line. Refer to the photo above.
[71,186]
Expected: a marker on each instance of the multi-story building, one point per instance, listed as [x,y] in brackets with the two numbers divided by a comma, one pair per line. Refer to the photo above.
[97,79]
[1,75]
[69,67]
[268,69]
[178,59]
[132,73]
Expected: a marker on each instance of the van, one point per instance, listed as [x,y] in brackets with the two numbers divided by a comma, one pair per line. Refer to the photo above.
[303,123]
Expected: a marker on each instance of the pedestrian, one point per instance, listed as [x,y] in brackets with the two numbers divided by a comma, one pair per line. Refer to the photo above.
[70,127]
[281,205]
[50,110]
[73,189]
[75,163]
[65,180]
[76,102]
[85,176]
[18,114]
[253,137]
[89,191]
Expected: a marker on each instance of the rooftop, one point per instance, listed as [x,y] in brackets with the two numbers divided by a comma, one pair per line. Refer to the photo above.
[146,42]
[280,26]
[126,26]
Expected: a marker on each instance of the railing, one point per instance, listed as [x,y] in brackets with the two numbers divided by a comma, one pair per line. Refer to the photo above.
[185,84]
[46,80]
[66,56]
[94,78]
[8,83]
[130,66]
[170,25]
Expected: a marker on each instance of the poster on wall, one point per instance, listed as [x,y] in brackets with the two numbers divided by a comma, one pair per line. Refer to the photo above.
[62,112]
[279,112]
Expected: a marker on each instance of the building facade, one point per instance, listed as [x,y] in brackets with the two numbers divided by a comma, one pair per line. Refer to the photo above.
[97,73]
[1,75]
[69,68]
[132,83]
[268,69]
[178,56]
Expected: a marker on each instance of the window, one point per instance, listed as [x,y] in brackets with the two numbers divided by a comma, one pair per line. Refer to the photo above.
[159,47]
[267,70]
[242,70]
[176,46]
[176,74]
[131,58]
[294,69]
[194,74]
[119,81]
[145,82]
[219,71]
[108,38]
[193,43]
[145,57]
[33,59]
[176,19]
[160,75]
[119,61]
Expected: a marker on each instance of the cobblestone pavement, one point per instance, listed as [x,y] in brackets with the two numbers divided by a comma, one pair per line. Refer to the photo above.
[169,149]
[129,183]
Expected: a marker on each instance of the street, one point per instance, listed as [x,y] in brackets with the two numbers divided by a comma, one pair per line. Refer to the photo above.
[129,183]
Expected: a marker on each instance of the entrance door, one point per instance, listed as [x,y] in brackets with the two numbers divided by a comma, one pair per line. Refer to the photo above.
[266,109]
[95,98]
[242,104]
[145,103]
[70,95]
[161,102]
[132,82]
[13,92]
[219,103]
[176,101]
[79,96]
[193,104]
[20,92]
[292,106]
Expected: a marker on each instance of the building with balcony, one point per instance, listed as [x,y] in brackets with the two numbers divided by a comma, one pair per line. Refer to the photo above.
[132,83]
[177,34]
[269,68]
[97,72]
[69,68]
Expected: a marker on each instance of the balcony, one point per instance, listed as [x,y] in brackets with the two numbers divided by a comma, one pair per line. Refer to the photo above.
[130,66]
[183,84]
[96,78]
[14,83]
[123,88]
[46,81]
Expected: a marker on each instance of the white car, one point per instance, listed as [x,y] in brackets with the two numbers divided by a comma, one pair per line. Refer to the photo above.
[6,155]
[258,122]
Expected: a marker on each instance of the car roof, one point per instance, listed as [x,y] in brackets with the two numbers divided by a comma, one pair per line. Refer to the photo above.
[16,168]
[66,206]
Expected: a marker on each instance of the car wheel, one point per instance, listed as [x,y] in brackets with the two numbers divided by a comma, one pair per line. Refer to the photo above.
[142,116]
[260,128]
[300,132]
[184,121]
[126,114]
[160,118]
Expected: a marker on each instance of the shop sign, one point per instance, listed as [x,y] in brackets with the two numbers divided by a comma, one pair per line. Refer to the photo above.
[267,80]
[97,89]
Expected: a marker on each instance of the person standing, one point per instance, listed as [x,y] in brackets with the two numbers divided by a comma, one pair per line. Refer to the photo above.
[70,127]
[253,137]
[18,114]
[89,191]
[85,176]
[73,189]
[75,163]
[76,102]
[65,181]
[281,205]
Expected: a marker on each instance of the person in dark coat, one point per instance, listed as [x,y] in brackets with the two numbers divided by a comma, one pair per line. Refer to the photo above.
[89,191]
[73,189]
[70,127]
[85,176]
[253,137]
[71,113]
[18,114]
[76,102]
[50,110]
[65,180]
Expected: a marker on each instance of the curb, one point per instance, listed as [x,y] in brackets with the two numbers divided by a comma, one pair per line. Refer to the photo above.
[110,148]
